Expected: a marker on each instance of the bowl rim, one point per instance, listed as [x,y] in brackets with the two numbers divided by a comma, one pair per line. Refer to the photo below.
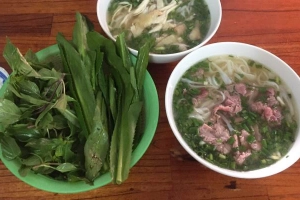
[50,185]
[228,47]
[103,24]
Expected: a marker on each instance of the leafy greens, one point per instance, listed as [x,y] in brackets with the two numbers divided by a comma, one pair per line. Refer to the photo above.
[79,120]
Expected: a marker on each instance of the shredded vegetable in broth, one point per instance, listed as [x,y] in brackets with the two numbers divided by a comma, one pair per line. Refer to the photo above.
[173,25]
[235,113]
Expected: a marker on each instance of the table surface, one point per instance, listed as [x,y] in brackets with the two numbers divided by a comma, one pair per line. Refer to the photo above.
[165,171]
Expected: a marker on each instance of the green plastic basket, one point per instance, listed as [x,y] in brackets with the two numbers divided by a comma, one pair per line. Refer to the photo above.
[45,183]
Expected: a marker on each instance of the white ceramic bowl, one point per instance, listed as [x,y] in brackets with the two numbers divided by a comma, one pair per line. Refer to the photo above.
[257,54]
[215,12]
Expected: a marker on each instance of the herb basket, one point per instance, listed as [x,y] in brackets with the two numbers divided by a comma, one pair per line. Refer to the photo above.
[42,182]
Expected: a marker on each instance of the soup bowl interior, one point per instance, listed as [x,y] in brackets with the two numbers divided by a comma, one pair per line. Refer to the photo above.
[264,57]
[214,7]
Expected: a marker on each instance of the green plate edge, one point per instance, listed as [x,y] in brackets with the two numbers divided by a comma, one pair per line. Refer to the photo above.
[55,186]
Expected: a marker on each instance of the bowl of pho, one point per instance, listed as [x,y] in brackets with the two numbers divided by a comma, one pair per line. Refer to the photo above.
[232,106]
[174,27]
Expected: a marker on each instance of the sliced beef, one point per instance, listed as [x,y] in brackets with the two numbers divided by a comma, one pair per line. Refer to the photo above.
[243,138]
[232,104]
[257,134]
[241,88]
[238,119]
[199,73]
[230,88]
[256,145]
[240,157]
[233,101]
[257,106]
[221,131]
[272,101]
[252,94]
[207,133]
[222,108]
[216,135]
[224,148]
[236,141]
[203,94]
[271,92]
[270,114]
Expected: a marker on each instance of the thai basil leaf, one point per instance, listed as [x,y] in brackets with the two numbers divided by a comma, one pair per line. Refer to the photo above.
[43,169]
[28,88]
[27,98]
[43,119]
[10,149]
[61,103]
[43,146]
[61,106]
[70,116]
[9,112]
[49,74]
[59,122]
[68,155]
[32,161]
[24,170]
[16,61]
[23,133]
[66,167]
[31,57]
[73,176]
[34,62]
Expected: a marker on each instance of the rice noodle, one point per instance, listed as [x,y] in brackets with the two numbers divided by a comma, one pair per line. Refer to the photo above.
[230,128]
[194,84]
[224,76]
[214,82]
[271,84]
[262,77]
[200,113]
[287,100]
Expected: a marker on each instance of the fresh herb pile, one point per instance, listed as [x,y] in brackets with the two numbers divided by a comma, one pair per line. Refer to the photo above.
[77,120]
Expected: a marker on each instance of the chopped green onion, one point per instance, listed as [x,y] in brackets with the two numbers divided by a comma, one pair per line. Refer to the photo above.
[278,80]
[233,165]
[250,139]
[231,140]
[264,143]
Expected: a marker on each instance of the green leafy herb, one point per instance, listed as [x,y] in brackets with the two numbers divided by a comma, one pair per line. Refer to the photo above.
[75,119]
